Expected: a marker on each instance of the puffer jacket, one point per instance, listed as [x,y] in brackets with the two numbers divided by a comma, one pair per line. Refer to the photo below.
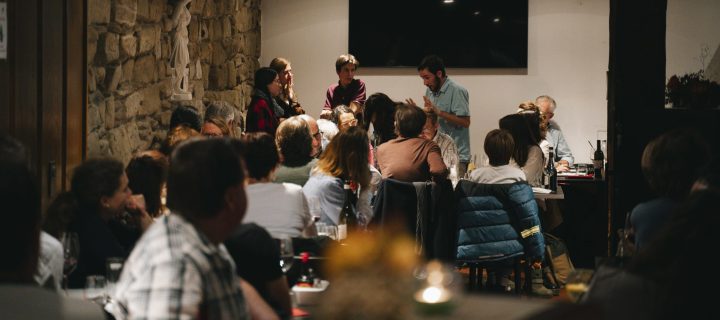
[497,221]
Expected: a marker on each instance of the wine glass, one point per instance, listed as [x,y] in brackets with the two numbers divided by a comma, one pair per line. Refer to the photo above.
[71,253]
[113,266]
[287,255]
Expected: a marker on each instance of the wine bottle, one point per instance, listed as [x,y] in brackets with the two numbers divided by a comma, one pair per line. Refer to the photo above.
[551,173]
[598,161]
[348,214]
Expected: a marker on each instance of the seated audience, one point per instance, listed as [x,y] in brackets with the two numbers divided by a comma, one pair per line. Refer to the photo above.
[256,256]
[658,282]
[20,295]
[380,112]
[445,142]
[185,115]
[147,173]
[525,130]
[409,157]
[175,136]
[316,134]
[180,269]
[563,156]
[670,164]
[297,145]
[344,160]
[100,210]
[216,126]
[263,113]
[348,89]
[499,146]
[280,208]
[287,98]
[223,110]
[343,117]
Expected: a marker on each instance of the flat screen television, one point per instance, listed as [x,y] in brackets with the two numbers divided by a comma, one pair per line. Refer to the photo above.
[465,33]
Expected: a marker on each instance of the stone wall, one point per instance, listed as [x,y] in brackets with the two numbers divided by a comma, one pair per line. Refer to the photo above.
[129,75]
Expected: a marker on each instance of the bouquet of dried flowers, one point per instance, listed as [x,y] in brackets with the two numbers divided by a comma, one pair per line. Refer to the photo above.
[692,91]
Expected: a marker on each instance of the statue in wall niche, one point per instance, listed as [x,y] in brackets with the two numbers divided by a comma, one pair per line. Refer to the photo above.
[180,56]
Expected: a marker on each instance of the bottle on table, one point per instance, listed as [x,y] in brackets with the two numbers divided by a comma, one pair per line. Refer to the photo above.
[348,214]
[550,180]
[307,277]
[598,161]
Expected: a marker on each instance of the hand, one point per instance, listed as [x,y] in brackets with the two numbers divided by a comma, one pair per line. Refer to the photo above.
[429,106]
[138,214]
[562,167]
[410,102]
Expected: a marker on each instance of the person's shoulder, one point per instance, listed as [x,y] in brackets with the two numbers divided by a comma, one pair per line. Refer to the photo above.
[455,86]
[290,188]
[444,138]
[358,82]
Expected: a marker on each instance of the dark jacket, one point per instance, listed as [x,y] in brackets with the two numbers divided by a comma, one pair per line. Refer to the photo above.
[497,221]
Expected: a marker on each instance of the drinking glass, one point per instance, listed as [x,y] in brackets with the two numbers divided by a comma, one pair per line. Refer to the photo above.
[578,282]
[321,228]
[332,232]
[71,253]
[95,288]
[287,255]
[113,267]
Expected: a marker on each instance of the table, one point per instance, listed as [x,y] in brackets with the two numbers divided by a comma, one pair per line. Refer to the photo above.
[558,195]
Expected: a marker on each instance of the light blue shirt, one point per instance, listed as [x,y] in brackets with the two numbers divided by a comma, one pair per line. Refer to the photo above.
[453,99]
[557,141]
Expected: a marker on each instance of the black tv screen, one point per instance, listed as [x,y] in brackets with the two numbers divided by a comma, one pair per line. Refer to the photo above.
[465,33]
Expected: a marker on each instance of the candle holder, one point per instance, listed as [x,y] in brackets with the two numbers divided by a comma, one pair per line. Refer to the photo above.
[437,288]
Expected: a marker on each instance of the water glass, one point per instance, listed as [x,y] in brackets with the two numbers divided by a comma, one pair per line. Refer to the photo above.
[95,288]
[113,267]
[287,254]
[321,228]
[332,232]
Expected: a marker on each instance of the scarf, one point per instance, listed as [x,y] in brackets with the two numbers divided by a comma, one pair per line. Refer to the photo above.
[279,112]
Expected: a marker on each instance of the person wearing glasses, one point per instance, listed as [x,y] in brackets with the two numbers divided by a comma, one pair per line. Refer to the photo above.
[263,113]
[563,156]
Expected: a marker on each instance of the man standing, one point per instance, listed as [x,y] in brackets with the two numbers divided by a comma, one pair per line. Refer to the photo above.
[563,156]
[451,103]
[179,269]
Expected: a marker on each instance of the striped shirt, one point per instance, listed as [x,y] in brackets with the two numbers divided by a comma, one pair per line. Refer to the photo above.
[175,272]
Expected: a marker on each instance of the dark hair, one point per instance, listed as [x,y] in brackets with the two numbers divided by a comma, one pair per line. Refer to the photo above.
[433,63]
[346,156]
[525,130]
[19,233]
[94,179]
[262,154]
[147,173]
[346,59]
[383,108]
[201,171]
[499,147]
[294,140]
[680,248]
[409,120]
[186,115]
[263,77]
[670,162]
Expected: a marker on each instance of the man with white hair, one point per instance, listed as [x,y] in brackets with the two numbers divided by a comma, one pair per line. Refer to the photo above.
[563,155]
[223,110]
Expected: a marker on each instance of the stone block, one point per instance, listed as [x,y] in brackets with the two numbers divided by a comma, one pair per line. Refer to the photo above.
[127,70]
[99,75]
[96,146]
[206,73]
[92,86]
[165,88]
[230,96]
[133,104]
[109,113]
[156,10]
[216,29]
[113,77]
[145,69]
[143,10]
[120,144]
[98,11]
[196,7]
[124,13]
[210,9]
[165,118]
[226,27]
[151,103]
[125,89]
[252,43]
[166,105]
[92,42]
[197,89]
[218,77]
[232,73]
[110,47]
[94,120]
[128,46]
[219,56]
[204,33]
[148,36]
[243,19]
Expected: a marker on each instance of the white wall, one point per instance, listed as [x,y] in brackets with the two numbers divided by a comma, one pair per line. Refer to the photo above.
[567,59]
[691,26]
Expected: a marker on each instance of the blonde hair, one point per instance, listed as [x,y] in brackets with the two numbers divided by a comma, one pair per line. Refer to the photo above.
[346,156]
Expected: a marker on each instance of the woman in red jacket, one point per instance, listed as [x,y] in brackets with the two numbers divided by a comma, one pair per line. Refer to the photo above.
[263,113]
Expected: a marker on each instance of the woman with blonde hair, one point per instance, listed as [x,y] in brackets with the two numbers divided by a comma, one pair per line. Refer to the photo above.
[287,98]
[344,160]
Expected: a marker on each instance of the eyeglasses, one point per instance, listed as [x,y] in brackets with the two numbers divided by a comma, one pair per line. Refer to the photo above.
[349,123]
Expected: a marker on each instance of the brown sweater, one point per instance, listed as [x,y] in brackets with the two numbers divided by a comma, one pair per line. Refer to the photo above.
[411,159]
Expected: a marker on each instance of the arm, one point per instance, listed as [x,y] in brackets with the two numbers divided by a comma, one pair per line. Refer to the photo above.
[328,99]
[360,95]
[259,309]
[563,150]
[278,291]
[461,121]
[533,167]
[435,162]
